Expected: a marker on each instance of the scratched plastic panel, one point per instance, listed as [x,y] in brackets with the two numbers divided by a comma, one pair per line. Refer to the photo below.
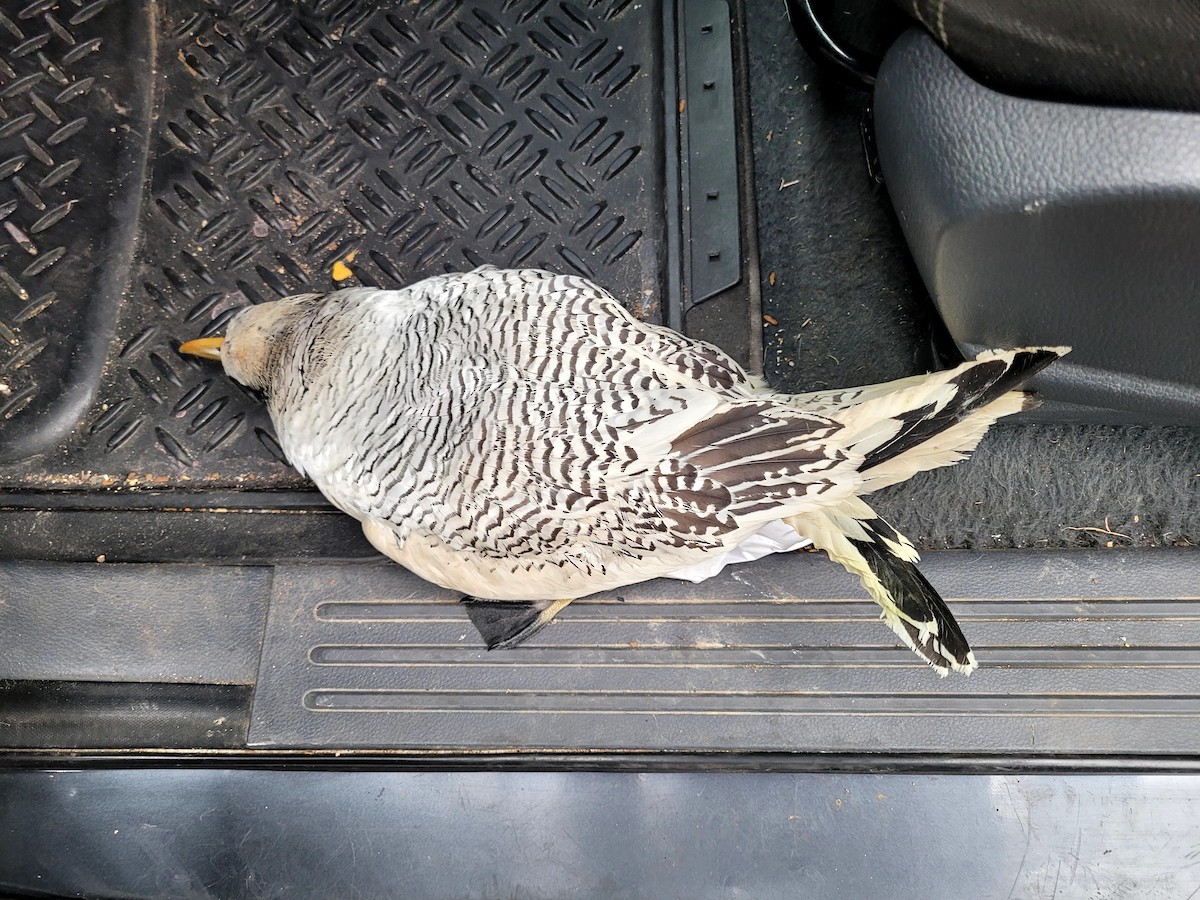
[292,145]
[1080,653]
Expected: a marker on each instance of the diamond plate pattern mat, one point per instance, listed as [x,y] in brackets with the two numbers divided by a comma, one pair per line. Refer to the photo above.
[72,152]
[161,165]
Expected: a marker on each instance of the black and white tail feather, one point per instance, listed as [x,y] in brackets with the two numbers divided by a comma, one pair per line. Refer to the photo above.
[900,429]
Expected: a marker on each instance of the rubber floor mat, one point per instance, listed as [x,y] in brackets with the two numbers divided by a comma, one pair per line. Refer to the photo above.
[1084,653]
[163,164]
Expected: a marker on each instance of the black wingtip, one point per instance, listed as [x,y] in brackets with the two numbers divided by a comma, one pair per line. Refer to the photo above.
[1025,364]
[935,653]
[916,598]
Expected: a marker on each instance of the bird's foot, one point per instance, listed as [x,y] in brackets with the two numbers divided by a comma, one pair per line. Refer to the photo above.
[505,623]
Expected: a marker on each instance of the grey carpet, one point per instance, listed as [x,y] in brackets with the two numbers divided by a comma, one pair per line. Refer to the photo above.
[844,305]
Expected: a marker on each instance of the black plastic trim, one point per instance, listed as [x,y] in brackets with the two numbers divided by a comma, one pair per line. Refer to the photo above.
[97,715]
[1039,223]
[410,761]
[232,833]
[853,66]
[712,227]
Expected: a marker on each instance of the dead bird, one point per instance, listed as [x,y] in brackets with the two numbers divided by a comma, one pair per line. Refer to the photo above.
[521,437]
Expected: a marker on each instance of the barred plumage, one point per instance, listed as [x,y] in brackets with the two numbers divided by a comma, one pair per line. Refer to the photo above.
[518,435]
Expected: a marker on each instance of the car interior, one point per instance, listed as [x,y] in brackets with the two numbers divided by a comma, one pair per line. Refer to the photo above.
[837,193]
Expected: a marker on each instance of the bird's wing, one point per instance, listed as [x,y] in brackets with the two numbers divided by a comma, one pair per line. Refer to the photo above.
[751,460]
[631,471]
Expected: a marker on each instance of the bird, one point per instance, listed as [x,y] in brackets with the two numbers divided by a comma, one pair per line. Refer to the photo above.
[520,437]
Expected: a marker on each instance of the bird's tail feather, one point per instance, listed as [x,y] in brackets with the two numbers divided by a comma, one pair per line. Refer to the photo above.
[946,448]
[939,420]
[853,535]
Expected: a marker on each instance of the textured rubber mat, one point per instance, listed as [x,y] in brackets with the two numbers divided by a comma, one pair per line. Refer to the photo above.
[163,164]
[1084,653]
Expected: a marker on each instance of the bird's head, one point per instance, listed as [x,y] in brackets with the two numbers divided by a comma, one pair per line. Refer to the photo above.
[254,339]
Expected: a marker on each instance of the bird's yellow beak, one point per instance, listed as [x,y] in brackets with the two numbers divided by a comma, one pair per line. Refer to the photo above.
[209,348]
